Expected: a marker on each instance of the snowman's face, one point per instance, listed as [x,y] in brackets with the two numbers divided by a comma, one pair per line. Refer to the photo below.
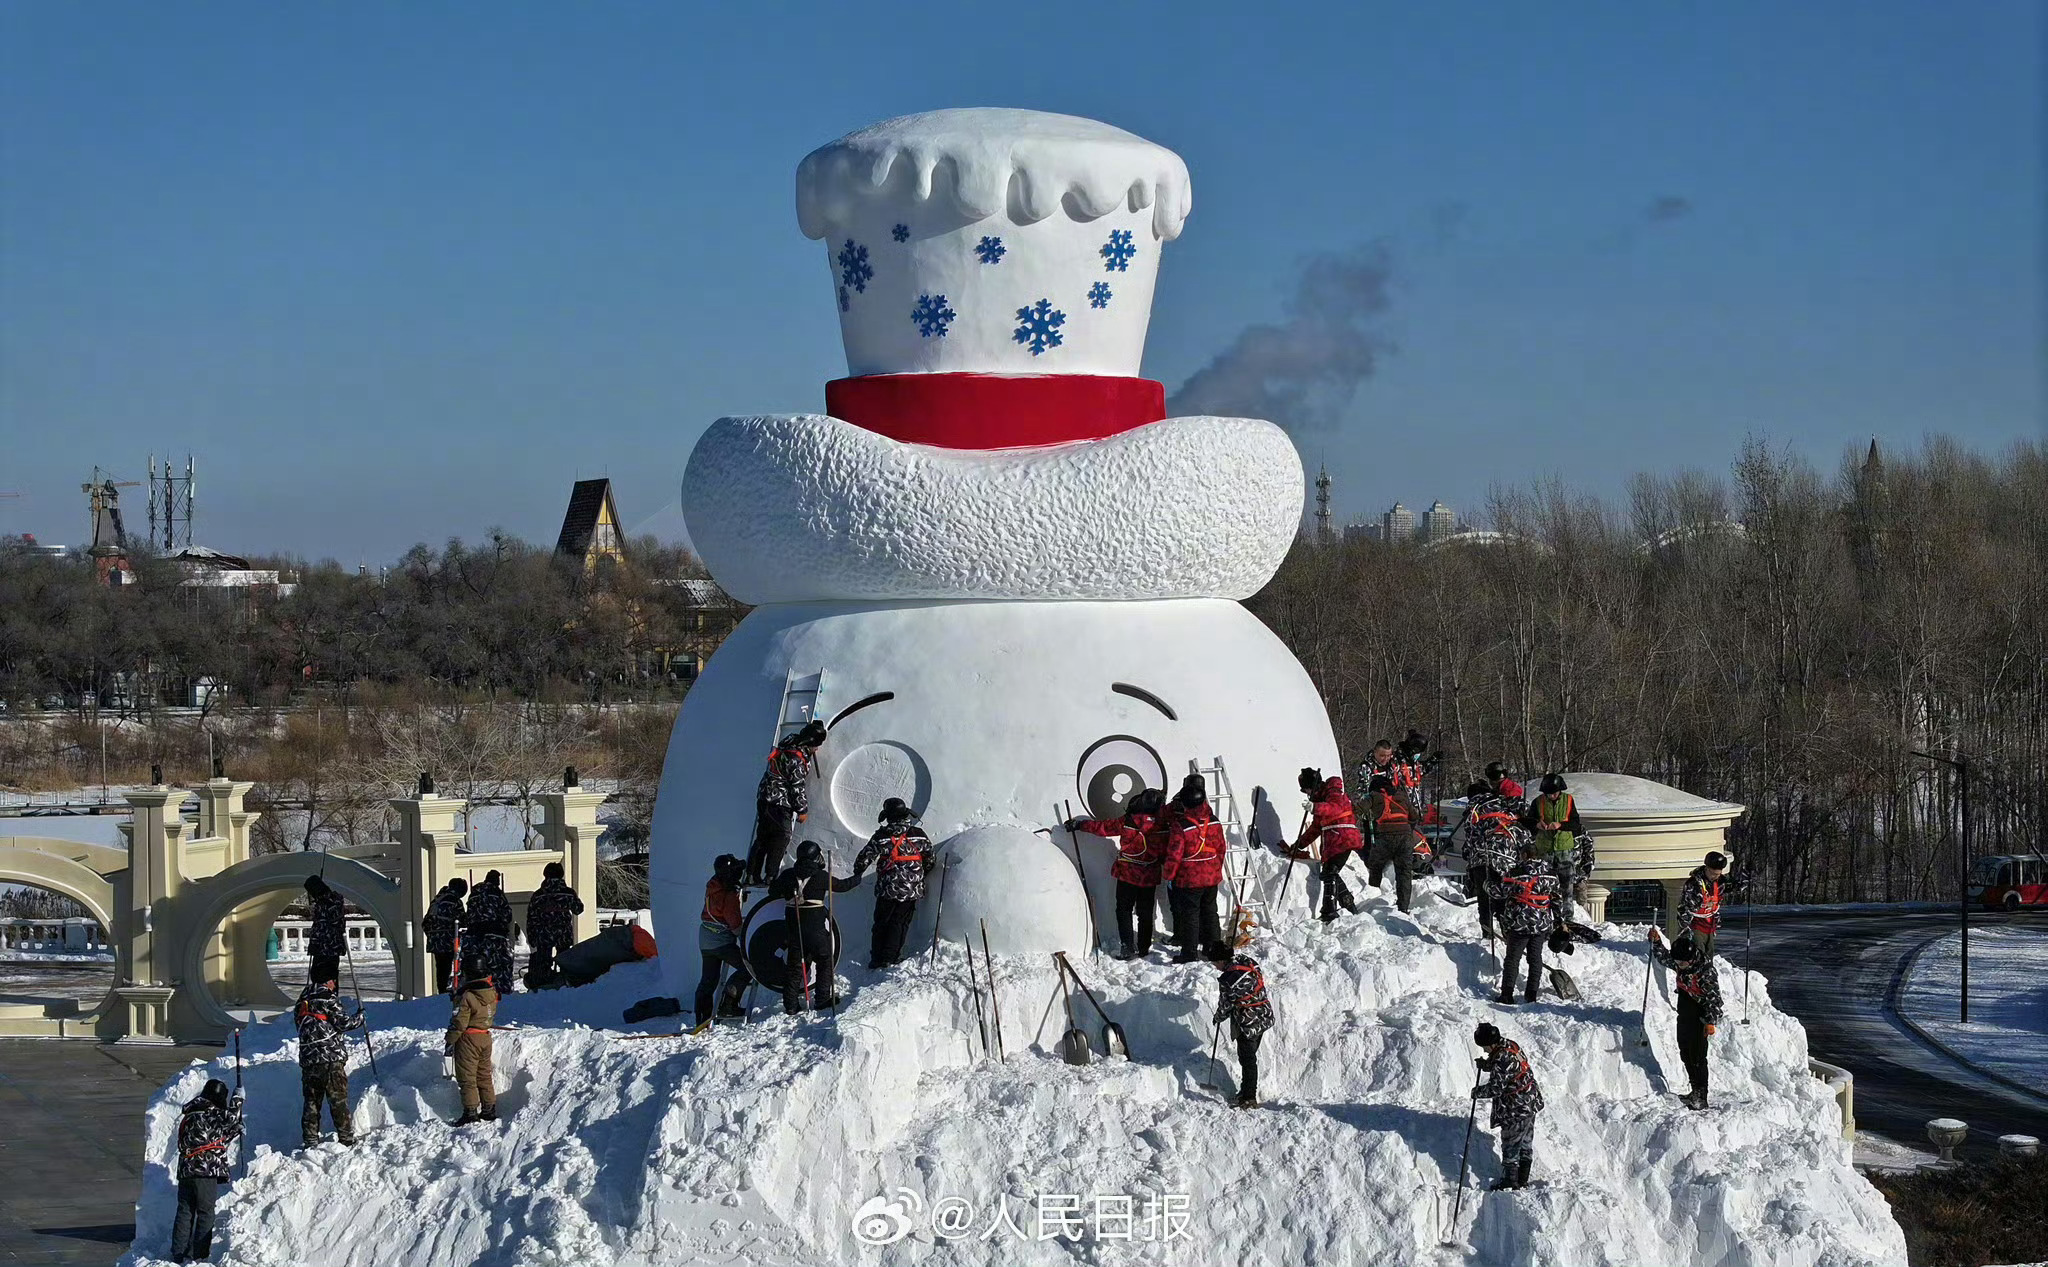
[982,715]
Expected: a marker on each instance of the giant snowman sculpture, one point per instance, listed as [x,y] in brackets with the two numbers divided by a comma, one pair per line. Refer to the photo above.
[994,566]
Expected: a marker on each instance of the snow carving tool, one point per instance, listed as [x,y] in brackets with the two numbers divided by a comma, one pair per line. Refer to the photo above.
[932,960]
[1649,966]
[995,1001]
[1114,1043]
[1292,857]
[1561,981]
[1094,934]
[1464,1168]
[1073,1044]
[974,984]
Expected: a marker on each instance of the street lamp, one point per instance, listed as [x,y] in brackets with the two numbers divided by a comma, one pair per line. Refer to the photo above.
[1961,765]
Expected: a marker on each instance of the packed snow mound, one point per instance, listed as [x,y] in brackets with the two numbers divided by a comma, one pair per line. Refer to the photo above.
[790,1140]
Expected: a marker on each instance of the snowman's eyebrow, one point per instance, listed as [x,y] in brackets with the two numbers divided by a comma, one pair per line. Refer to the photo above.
[857,705]
[1140,693]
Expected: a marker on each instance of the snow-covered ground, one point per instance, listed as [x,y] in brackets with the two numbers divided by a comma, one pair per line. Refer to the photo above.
[771,1143]
[2008,1030]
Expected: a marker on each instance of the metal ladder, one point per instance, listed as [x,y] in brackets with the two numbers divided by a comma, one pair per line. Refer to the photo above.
[1248,895]
[800,697]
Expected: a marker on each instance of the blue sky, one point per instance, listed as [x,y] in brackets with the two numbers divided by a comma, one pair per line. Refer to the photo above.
[400,272]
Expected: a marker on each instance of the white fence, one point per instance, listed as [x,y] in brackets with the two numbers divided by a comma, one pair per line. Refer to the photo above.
[75,936]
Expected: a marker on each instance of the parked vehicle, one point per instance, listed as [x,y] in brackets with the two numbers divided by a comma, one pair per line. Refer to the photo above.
[2010,882]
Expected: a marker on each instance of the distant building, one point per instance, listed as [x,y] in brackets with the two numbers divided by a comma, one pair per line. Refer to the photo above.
[1397,524]
[207,568]
[590,529]
[1438,522]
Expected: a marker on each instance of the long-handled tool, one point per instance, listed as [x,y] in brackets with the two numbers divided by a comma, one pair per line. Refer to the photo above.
[1087,900]
[939,914]
[1114,1043]
[1649,966]
[1292,857]
[995,1001]
[1464,1164]
[974,984]
[348,948]
[1074,1043]
[1215,1082]
[241,1117]
[1748,932]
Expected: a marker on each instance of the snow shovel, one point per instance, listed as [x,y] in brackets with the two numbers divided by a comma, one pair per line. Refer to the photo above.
[1464,1168]
[1561,981]
[1074,1043]
[1113,1041]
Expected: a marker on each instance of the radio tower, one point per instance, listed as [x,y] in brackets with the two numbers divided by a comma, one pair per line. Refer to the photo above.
[170,504]
[1325,534]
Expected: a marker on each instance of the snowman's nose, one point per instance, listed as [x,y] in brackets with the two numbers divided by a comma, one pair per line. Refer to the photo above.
[1021,883]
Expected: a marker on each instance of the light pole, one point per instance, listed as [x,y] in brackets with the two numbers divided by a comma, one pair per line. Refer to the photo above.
[1961,765]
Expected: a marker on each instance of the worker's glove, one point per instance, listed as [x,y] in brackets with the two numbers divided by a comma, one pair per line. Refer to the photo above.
[1655,935]
[1218,1018]
[1480,1065]
[1712,1030]
[1073,824]
[803,818]
[235,1100]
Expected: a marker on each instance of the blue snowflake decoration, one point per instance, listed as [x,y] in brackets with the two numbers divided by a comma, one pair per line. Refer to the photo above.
[901,233]
[1118,251]
[989,249]
[845,303]
[1098,295]
[1038,327]
[853,266]
[932,316]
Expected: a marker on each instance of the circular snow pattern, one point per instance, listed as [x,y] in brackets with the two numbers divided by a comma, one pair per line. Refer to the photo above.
[870,775]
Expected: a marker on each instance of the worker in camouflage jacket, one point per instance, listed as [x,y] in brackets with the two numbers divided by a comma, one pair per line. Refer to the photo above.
[487,933]
[1529,907]
[782,800]
[1241,999]
[550,921]
[1699,1007]
[1511,1085]
[1699,906]
[1493,837]
[327,940]
[323,1026]
[902,855]
[442,926]
[211,1122]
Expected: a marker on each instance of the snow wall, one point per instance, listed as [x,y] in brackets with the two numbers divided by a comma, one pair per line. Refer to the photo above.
[770,1144]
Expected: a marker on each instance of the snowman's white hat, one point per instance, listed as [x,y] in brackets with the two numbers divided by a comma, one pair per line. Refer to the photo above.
[989,242]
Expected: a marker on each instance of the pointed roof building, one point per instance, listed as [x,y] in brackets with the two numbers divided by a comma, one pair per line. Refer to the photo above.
[590,529]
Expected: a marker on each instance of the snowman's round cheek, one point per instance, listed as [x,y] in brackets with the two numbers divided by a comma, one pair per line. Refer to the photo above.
[1113,769]
[871,774]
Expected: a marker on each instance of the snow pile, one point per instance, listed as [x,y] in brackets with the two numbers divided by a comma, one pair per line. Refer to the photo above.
[770,1144]
[2008,1002]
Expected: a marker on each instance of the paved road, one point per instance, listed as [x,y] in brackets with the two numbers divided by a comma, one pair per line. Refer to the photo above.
[1836,973]
[71,1145]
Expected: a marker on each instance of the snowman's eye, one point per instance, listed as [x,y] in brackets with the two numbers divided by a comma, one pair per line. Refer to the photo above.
[1112,771]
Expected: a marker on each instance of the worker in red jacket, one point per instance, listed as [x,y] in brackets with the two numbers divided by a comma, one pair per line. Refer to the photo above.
[1140,838]
[1193,867]
[1331,822]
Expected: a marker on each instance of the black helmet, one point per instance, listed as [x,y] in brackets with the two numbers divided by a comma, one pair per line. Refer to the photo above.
[494,880]
[1415,742]
[1717,861]
[1194,790]
[727,867]
[1682,946]
[215,1092]
[1496,771]
[895,811]
[1486,1035]
[1553,783]
[315,885]
[1311,780]
[1146,800]
[1379,783]
[810,854]
[1219,952]
[810,736]
[458,886]
[552,871]
[1478,788]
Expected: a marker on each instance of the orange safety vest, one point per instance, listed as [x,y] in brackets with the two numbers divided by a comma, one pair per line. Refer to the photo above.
[1526,892]
[1201,852]
[1405,774]
[896,853]
[1707,918]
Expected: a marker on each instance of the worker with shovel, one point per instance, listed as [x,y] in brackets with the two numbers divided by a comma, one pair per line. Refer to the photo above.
[1241,998]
